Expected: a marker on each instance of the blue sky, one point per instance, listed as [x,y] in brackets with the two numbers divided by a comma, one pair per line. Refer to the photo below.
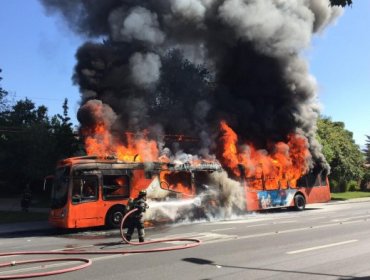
[37,56]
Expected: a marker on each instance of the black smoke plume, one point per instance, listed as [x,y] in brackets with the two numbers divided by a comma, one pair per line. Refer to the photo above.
[181,66]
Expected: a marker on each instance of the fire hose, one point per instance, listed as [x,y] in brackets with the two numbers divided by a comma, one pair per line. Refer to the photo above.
[88,262]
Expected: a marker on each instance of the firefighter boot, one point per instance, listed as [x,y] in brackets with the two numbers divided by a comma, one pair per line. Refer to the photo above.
[141,233]
[128,237]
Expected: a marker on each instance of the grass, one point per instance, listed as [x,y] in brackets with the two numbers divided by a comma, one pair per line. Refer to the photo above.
[8,217]
[349,195]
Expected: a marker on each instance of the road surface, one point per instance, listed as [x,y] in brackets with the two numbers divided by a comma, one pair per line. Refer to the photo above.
[327,241]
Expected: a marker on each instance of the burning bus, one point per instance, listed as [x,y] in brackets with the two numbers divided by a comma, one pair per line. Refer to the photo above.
[92,191]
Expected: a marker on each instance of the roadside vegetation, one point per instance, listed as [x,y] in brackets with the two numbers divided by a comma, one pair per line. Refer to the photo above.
[349,195]
[350,166]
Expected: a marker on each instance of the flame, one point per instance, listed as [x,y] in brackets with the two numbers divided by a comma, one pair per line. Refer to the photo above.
[100,142]
[283,167]
[177,182]
[285,164]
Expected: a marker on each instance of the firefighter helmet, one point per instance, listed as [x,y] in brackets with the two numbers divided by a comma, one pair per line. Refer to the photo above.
[142,193]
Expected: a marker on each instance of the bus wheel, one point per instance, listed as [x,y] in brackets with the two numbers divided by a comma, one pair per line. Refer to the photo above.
[299,202]
[114,217]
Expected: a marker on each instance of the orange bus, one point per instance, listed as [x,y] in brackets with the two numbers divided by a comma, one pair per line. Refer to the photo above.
[310,188]
[90,191]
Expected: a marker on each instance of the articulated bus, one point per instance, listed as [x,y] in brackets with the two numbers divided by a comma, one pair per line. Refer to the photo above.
[90,191]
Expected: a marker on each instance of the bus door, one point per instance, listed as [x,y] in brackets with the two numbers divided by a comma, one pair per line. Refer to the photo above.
[85,207]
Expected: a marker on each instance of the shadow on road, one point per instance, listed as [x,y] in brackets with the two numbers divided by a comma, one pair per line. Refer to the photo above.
[199,261]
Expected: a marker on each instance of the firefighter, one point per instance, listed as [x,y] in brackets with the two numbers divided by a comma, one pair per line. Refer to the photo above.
[137,218]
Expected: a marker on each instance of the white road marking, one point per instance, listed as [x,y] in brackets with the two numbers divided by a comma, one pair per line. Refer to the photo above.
[350,218]
[284,222]
[260,225]
[222,229]
[321,247]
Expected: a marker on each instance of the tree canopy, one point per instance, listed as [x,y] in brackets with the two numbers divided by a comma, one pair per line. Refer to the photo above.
[367,149]
[31,143]
[3,94]
[343,155]
[342,3]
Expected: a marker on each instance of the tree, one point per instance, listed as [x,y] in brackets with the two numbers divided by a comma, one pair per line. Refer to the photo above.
[3,94]
[342,3]
[341,152]
[367,149]
[365,184]
[31,144]
[67,143]
[26,144]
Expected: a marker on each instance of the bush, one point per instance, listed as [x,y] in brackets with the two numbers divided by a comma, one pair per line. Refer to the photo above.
[352,186]
[343,186]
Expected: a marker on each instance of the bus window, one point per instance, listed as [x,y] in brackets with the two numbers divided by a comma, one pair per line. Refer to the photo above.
[313,180]
[178,182]
[116,187]
[85,189]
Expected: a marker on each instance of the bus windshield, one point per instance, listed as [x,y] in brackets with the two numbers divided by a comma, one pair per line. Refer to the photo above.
[60,187]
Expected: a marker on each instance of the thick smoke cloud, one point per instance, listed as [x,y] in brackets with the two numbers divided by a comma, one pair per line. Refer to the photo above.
[145,69]
[259,82]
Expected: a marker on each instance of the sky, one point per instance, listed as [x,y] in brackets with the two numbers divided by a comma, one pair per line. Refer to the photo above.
[37,56]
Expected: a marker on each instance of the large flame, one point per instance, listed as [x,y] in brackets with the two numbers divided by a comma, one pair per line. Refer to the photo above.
[282,168]
[102,143]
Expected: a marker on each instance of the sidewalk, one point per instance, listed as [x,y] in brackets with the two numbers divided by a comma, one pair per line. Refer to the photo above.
[8,229]
[13,205]
[352,200]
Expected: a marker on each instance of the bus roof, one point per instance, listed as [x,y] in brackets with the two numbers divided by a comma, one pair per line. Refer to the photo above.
[114,162]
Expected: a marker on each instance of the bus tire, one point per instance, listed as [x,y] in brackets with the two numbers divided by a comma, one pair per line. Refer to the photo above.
[114,216]
[299,202]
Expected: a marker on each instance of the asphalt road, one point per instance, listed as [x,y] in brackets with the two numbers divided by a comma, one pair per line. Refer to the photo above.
[327,241]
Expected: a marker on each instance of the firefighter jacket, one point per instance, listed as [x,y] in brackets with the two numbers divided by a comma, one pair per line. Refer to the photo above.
[141,205]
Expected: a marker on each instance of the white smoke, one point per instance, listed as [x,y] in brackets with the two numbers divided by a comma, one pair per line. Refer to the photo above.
[140,24]
[145,69]
[230,192]
[323,15]
[279,27]
[189,9]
